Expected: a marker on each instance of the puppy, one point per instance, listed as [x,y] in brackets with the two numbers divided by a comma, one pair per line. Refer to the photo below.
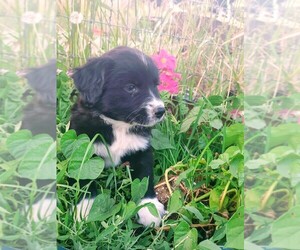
[119,100]
[39,116]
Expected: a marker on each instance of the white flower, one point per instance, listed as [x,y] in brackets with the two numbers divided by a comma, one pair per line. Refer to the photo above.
[31,17]
[76,17]
[3,72]
[58,71]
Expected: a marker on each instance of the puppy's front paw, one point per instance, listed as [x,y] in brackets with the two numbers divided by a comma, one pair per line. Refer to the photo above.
[146,217]
[83,208]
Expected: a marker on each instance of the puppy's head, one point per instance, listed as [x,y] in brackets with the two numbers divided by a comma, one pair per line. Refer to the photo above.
[121,85]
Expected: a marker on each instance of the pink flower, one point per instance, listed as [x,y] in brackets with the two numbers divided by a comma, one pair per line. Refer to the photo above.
[164,60]
[235,114]
[69,72]
[168,82]
[166,63]
[97,31]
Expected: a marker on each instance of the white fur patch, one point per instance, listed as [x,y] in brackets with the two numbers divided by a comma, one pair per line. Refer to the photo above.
[124,142]
[146,218]
[151,107]
[43,209]
[83,208]
[155,102]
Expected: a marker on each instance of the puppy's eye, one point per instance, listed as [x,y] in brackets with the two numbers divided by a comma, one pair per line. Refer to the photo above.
[131,88]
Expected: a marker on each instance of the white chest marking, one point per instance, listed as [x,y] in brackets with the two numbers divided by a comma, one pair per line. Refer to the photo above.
[124,142]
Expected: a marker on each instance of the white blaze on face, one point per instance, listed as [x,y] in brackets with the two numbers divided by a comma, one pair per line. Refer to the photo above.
[152,106]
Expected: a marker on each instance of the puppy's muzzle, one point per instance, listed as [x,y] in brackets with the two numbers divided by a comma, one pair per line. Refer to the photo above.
[159,112]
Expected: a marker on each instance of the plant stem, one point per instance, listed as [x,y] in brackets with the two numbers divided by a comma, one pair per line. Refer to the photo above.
[269,192]
[224,193]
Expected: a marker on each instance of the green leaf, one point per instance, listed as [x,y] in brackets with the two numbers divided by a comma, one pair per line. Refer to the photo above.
[184,237]
[180,231]
[236,166]
[37,154]
[285,134]
[160,140]
[195,211]
[139,189]
[22,141]
[215,100]
[79,159]
[90,169]
[235,230]
[253,199]
[103,208]
[17,143]
[214,164]
[232,151]
[208,245]
[219,233]
[255,100]
[255,123]
[191,117]
[70,142]
[129,210]
[289,167]
[260,234]
[207,115]
[234,134]
[106,232]
[152,208]
[255,164]
[216,123]
[175,202]
[286,230]
[39,162]
[184,175]
[277,153]
[214,198]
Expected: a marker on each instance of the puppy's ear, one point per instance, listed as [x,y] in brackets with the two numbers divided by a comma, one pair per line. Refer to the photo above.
[90,78]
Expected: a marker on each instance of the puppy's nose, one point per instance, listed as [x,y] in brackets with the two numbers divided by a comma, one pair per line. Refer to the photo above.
[159,112]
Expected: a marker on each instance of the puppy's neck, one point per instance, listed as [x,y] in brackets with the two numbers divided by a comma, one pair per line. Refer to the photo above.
[123,126]
[115,123]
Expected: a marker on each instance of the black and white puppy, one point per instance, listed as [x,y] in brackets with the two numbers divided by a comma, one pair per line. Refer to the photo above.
[119,100]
